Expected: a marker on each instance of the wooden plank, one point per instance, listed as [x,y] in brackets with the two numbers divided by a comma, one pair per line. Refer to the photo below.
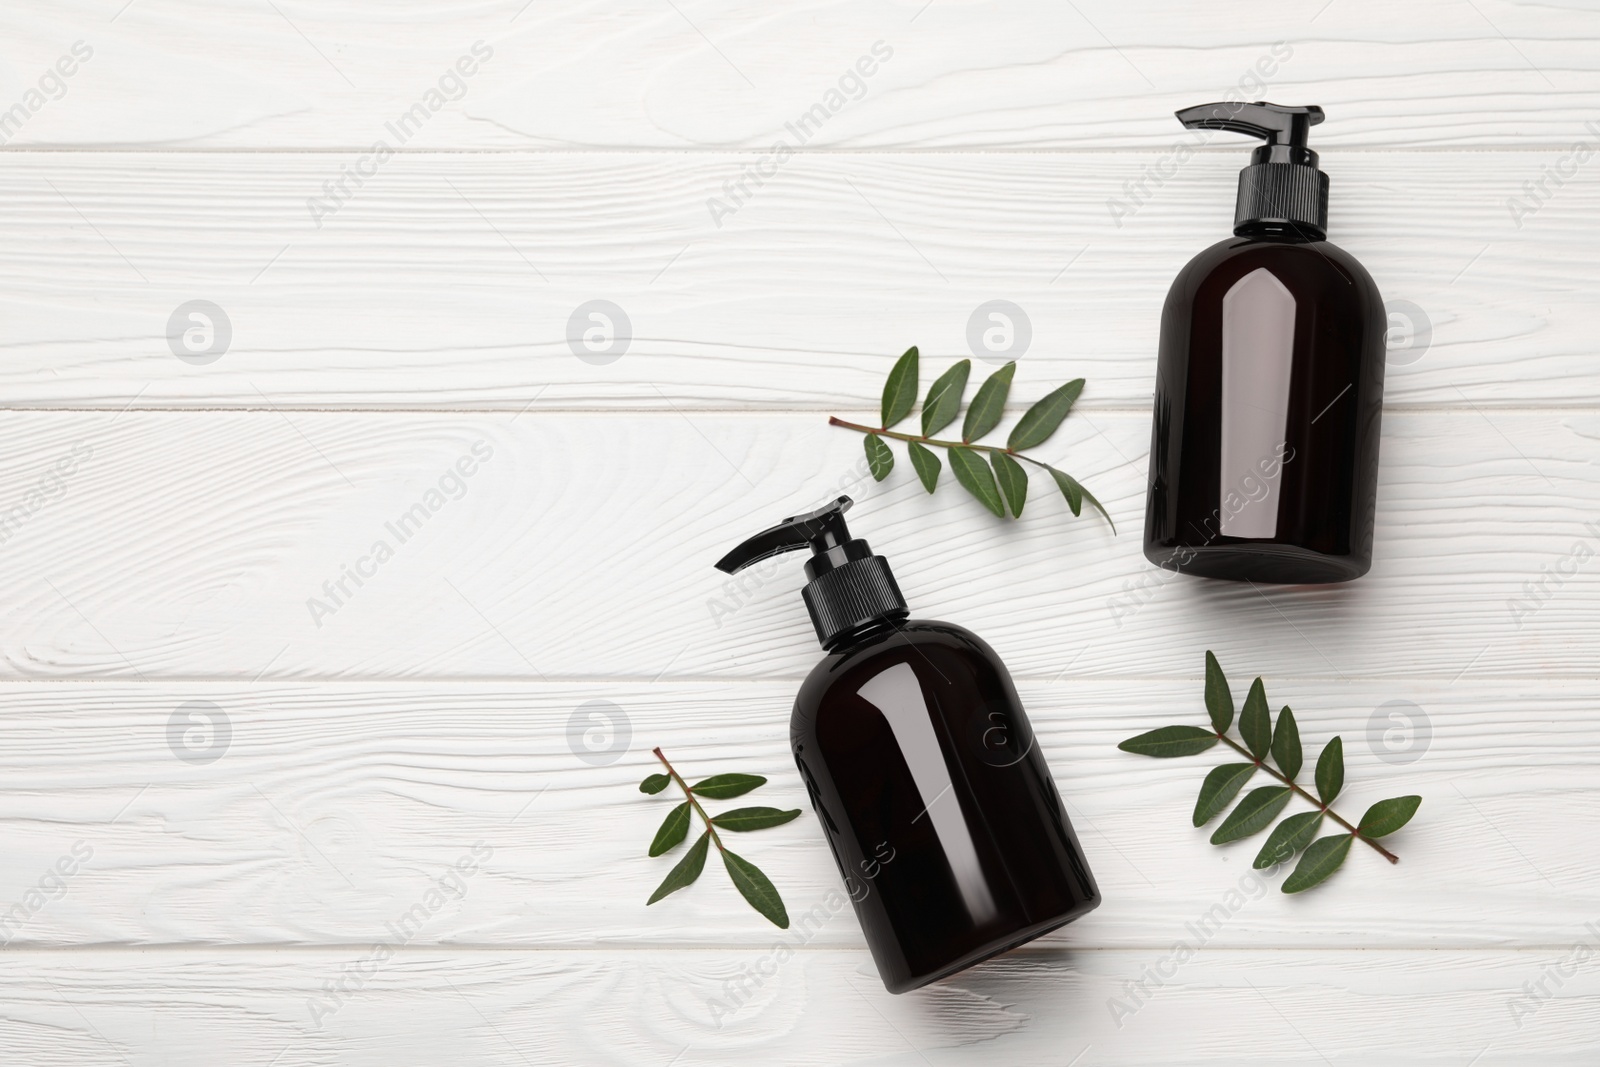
[160,564]
[221,545]
[282,813]
[1022,74]
[455,282]
[510,1009]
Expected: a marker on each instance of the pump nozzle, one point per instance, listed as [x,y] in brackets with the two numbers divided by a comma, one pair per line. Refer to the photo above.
[1282,188]
[1273,123]
[823,530]
[850,587]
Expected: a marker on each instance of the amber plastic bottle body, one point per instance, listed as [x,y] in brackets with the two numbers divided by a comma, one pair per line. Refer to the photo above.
[1264,452]
[947,828]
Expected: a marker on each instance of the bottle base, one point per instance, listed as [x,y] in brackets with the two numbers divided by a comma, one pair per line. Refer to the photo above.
[1259,562]
[1002,944]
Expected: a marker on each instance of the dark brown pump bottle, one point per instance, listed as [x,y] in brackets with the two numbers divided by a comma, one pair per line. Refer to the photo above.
[940,811]
[1264,452]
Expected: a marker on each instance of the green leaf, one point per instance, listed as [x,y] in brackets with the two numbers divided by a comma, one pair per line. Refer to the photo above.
[1170,741]
[756,888]
[1041,420]
[674,828]
[1076,494]
[1288,837]
[687,870]
[975,477]
[926,464]
[753,818]
[1321,859]
[1069,488]
[1219,789]
[880,461]
[900,391]
[655,783]
[1219,699]
[1258,808]
[1330,771]
[944,398]
[1255,721]
[1013,480]
[727,786]
[1387,816]
[1286,751]
[983,414]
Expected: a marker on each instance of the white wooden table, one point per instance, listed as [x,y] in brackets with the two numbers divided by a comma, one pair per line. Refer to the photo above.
[170,519]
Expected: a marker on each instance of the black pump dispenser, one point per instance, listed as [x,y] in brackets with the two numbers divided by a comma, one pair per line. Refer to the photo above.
[1282,187]
[850,588]
[935,800]
[1269,386]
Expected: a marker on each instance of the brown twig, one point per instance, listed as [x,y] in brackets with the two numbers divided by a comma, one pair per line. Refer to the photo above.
[834,420]
[710,829]
[1329,812]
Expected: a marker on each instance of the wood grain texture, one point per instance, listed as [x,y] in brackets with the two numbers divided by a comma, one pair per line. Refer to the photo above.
[451,281]
[330,811]
[511,1009]
[401,353]
[221,546]
[1016,74]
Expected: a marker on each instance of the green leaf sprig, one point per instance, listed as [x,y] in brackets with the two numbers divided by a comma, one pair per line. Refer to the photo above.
[998,483]
[1322,856]
[747,878]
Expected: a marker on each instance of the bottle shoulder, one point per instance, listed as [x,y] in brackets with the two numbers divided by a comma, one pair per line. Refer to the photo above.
[1308,266]
[926,646]
[921,633]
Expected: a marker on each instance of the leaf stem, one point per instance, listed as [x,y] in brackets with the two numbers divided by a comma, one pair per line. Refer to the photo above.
[695,804]
[834,420]
[1329,812]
